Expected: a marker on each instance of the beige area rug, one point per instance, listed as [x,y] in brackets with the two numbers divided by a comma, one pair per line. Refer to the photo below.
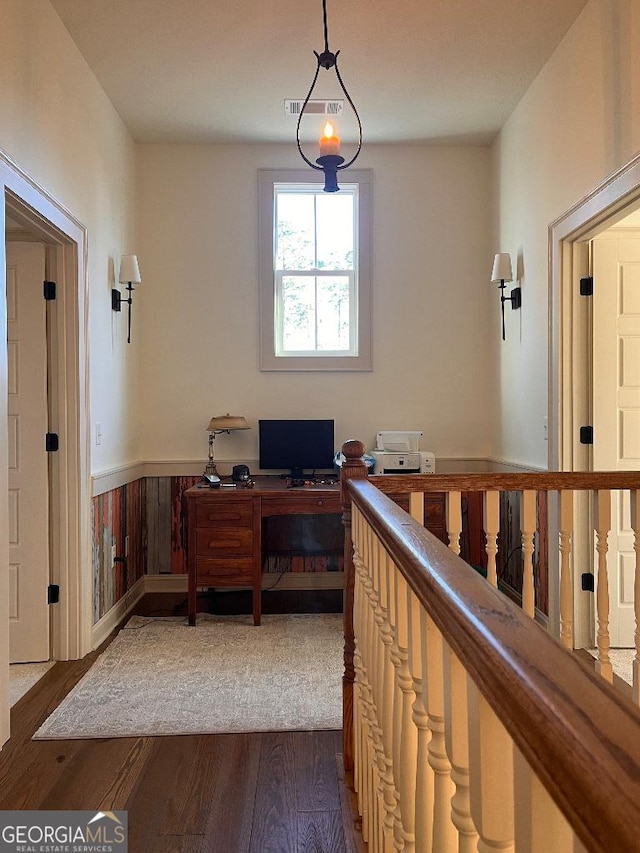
[161,677]
[22,677]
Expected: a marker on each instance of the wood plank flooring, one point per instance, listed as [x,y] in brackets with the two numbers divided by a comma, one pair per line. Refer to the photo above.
[236,793]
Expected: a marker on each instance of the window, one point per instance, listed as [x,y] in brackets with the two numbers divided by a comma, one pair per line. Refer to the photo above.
[314,272]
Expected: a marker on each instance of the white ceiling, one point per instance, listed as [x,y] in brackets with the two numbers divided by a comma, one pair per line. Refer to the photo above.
[214,71]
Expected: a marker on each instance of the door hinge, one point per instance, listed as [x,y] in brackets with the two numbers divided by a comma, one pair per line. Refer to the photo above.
[588,582]
[51,442]
[586,435]
[53,593]
[49,290]
[586,286]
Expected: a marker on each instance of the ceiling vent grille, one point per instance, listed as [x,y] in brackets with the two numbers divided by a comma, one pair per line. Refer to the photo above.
[316,107]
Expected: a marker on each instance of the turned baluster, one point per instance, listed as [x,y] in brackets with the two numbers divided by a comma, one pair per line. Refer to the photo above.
[385,702]
[490,775]
[379,678]
[423,827]
[444,833]
[603,526]
[537,818]
[635,526]
[566,576]
[528,533]
[416,506]
[492,528]
[454,520]
[406,767]
[457,745]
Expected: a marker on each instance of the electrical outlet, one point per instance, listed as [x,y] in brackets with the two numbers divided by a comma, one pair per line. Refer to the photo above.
[98,432]
[114,554]
[545,427]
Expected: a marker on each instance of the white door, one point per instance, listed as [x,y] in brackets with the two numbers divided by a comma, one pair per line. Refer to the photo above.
[28,468]
[616,404]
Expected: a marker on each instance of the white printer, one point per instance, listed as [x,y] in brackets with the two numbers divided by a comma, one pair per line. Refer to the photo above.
[398,452]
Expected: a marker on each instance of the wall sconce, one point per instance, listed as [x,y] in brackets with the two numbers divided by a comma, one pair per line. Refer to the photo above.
[129,275]
[218,424]
[330,161]
[502,272]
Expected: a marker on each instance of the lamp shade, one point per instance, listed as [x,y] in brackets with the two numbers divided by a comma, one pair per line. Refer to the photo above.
[129,270]
[227,423]
[502,267]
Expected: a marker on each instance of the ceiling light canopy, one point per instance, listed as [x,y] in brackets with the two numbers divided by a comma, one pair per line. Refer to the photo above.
[330,161]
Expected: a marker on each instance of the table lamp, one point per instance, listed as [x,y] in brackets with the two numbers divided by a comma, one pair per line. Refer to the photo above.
[218,424]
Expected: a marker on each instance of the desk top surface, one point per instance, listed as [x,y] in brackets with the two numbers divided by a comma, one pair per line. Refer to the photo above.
[262,485]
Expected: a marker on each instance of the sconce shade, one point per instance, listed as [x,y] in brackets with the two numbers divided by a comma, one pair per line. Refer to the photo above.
[502,267]
[227,423]
[129,270]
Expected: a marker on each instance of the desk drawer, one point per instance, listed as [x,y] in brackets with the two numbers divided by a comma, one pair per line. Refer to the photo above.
[309,504]
[224,571]
[224,513]
[224,540]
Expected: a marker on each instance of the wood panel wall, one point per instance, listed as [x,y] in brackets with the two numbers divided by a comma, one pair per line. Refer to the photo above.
[149,511]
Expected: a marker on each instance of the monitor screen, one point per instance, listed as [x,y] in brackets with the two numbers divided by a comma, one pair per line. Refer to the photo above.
[296,446]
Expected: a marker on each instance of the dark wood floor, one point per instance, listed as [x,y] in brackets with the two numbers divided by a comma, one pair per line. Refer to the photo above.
[260,793]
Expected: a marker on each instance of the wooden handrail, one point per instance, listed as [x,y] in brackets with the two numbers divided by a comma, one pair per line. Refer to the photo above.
[392,484]
[577,733]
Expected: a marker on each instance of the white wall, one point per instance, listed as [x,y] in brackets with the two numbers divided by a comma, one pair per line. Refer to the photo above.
[431,261]
[58,125]
[577,123]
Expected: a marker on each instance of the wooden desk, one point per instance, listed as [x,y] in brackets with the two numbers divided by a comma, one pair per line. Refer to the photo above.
[224,543]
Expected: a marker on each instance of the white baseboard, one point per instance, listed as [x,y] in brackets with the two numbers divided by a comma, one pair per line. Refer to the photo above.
[110,621]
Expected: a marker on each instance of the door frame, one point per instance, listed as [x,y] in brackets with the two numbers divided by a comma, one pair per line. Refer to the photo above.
[48,221]
[570,349]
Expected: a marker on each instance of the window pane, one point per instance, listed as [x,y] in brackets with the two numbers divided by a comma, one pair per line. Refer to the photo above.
[295,231]
[298,314]
[335,231]
[333,313]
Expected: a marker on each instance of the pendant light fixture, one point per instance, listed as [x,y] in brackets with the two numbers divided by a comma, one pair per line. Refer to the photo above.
[330,161]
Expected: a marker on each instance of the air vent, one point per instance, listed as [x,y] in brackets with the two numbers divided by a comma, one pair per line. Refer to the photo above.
[317,107]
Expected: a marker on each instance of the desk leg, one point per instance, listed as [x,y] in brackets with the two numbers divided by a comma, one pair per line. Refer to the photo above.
[257,601]
[191,597]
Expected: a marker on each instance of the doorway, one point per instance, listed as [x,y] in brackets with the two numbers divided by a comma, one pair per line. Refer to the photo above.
[46,221]
[27,369]
[571,400]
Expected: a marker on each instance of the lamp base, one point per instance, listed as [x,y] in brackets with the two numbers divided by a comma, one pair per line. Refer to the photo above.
[330,163]
[516,298]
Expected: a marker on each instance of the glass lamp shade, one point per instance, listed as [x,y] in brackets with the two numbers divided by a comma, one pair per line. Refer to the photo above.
[129,270]
[502,267]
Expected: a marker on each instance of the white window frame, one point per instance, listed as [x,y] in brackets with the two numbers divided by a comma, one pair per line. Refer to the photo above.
[313,361]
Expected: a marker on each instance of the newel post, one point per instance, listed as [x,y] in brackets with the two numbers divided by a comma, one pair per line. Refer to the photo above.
[353,468]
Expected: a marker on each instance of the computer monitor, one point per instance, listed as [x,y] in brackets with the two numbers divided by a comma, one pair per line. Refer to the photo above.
[296,446]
